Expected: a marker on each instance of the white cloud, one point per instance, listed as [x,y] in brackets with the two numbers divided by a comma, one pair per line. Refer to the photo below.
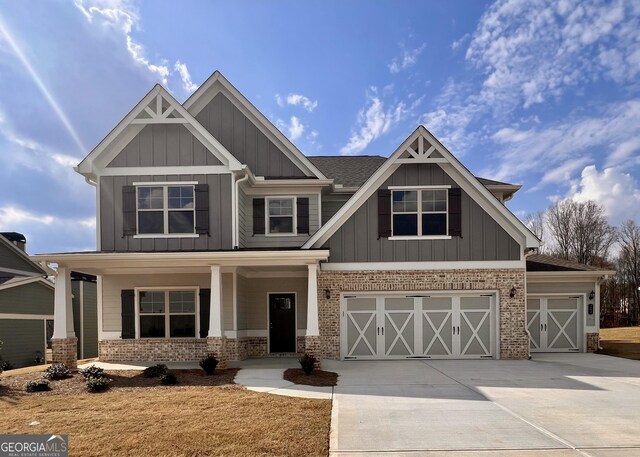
[10,216]
[297,100]
[187,84]
[615,190]
[305,102]
[560,148]
[121,16]
[294,129]
[407,59]
[531,51]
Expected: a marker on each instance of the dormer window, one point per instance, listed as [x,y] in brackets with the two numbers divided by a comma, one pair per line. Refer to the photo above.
[419,212]
[165,209]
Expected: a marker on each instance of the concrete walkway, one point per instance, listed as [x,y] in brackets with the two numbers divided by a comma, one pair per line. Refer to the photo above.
[265,375]
[554,405]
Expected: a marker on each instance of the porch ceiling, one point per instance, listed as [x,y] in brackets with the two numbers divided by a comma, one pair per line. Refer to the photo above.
[98,263]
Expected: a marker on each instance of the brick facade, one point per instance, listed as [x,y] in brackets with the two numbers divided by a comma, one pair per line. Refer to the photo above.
[65,350]
[593,342]
[514,342]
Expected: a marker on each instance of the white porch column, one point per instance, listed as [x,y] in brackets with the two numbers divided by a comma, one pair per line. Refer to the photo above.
[62,305]
[215,316]
[312,301]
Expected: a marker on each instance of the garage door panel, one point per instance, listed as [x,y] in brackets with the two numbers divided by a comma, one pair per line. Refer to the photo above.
[399,332]
[361,324]
[436,333]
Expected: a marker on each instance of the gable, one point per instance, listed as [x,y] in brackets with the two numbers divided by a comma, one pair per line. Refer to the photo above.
[421,147]
[14,262]
[31,298]
[483,239]
[244,140]
[160,145]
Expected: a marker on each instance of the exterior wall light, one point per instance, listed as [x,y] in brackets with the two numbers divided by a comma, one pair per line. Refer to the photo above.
[512,292]
[327,293]
[592,295]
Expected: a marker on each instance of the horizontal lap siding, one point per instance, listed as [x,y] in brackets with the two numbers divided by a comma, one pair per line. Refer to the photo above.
[164,145]
[31,298]
[482,237]
[249,240]
[13,260]
[220,210]
[21,338]
[244,140]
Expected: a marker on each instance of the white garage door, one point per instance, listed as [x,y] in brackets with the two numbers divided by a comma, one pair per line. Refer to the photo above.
[397,327]
[554,324]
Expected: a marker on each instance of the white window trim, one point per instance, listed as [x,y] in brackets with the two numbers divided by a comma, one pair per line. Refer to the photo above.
[165,209]
[419,212]
[294,211]
[167,314]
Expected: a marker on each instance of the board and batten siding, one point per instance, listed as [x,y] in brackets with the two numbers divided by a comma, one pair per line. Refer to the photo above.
[220,211]
[244,140]
[112,286]
[482,237]
[33,298]
[245,215]
[331,203]
[22,340]
[164,145]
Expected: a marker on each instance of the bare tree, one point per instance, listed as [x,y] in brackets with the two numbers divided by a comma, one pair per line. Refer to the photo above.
[628,269]
[560,219]
[535,222]
[580,231]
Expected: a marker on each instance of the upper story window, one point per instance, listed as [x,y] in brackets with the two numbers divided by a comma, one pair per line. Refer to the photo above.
[165,209]
[420,212]
[167,313]
[280,215]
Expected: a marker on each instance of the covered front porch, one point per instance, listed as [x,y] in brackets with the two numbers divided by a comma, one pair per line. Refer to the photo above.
[174,307]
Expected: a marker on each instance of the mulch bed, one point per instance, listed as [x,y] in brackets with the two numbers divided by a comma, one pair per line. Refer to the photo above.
[317,378]
[121,380]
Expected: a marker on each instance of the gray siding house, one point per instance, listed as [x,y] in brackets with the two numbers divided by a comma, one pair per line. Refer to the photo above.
[216,234]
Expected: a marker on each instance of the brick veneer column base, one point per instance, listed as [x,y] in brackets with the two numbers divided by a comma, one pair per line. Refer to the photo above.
[593,342]
[313,347]
[217,346]
[65,350]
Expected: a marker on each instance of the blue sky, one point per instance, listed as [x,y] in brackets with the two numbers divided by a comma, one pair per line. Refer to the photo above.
[541,93]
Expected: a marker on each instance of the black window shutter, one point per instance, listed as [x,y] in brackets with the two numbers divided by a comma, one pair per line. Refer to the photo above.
[129,211]
[128,314]
[384,213]
[205,310]
[258,216]
[455,212]
[302,211]
[202,208]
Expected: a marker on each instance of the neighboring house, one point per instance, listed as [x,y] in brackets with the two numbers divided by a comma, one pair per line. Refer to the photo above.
[26,310]
[14,261]
[216,234]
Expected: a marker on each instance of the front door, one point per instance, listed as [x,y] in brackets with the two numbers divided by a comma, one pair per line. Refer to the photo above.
[282,323]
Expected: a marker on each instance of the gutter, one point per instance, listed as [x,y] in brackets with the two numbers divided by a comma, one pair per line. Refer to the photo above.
[236,208]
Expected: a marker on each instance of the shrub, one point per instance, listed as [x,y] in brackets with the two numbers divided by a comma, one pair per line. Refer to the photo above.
[307,363]
[209,364]
[155,371]
[57,371]
[92,372]
[97,384]
[5,366]
[168,378]
[39,385]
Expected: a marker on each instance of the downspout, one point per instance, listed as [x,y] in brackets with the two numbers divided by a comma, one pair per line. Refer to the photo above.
[236,211]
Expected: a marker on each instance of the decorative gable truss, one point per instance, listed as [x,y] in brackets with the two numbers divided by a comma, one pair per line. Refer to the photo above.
[157,107]
[422,147]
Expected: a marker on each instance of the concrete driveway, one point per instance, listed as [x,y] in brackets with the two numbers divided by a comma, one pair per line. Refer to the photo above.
[554,405]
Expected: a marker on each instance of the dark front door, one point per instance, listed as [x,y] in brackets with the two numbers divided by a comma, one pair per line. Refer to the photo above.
[282,323]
